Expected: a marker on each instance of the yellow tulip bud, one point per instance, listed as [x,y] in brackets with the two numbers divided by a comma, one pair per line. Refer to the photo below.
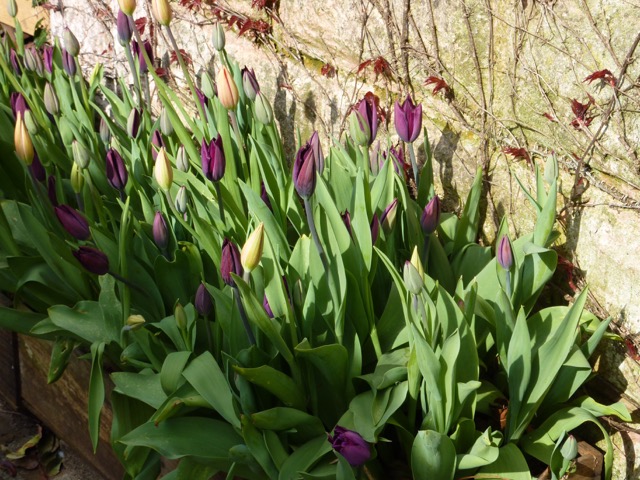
[415,261]
[135,321]
[161,11]
[227,90]
[252,250]
[127,6]
[22,141]
[163,171]
[77,179]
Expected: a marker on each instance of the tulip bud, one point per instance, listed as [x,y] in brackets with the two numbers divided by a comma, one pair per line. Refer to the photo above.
[163,171]
[32,126]
[127,6]
[263,110]
[207,86]
[105,132]
[305,167]
[252,250]
[80,154]
[213,160]
[33,62]
[133,123]
[250,83]
[412,278]
[416,262]
[346,219]
[350,445]
[230,262]
[47,58]
[37,170]
[388,218]
[96,74]
[18,104]
[218,37]
[160,231]
[73,222]
[134,322]
[358,129]
[137,51]
[182,162]
[92,259]
[181,200]
[375,228]
[125,28]
[12,8]
[181,317]
[408,119]
[157,142]
[504,253]
[314,141]
[569,449]
[77,179]
[166,127]
[69,63]
[161,11]
[71,42]
[117,174]
[51,100]
[15,62]
[430,218]
[22,141]
[369,111]
[227,90]
[203,302]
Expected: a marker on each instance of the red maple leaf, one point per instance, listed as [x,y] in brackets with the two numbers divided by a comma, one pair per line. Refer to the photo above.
[605,76]
[173,58]
[141,23]
[328,70]
[380,66]
[581,110]
[439,85]
[518,154]
[549,117]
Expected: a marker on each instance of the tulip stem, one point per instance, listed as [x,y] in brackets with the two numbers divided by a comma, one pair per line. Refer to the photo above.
[178,215]
[508,284]
[127,282]
[147,94]
[207,327]
[243,315]
[80,202]
[134,74]
[122,252]
[220,202]
[414,164]
[366,166]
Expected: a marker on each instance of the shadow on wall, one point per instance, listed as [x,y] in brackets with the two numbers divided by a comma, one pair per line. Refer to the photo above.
[443,154]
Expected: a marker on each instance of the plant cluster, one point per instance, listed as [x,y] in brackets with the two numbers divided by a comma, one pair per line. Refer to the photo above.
[267,320]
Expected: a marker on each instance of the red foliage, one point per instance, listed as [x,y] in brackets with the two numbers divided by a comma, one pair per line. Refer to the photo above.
[262,4]
[581,110]
[569,271]
[191,5]
[549,117]
[141,23]
[380,66]
[518,154]
[257,27]
[605,76]
[173,58]
[328,70]
[439,85]
[632,350]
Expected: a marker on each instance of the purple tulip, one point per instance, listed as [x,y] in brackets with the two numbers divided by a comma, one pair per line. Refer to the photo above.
[213,161]
[317,152]
[375,228]
[230,262]
[305,167]
[431,216]
[37,170]
[504,253]
[264,196]
[18,104]
[388,217]
[408,120]
[116,171]
[69,63]
[92,260]
[160,231]
[15,63]
[47,57]
[203,302]
[137,51]
[157,142]
[250,83]
[133,122]
[125,28]
[267,307]
[346,218]
[73,222]
[350,445]
[367,109]
[204,101]
[51,190]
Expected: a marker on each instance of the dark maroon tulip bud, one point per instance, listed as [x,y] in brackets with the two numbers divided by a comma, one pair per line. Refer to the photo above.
[350,445]
[346,218]
[249,83]
[15,63]
[375,228]
[18,104]
[408,119]
[51,190]
[47,57]
[157,142]
[73,222]
[305,167]
[204,305]
[125,28]
[69,63]
[160,231]
[137,51]
[369,112]
[317,152]
[431,216]
[92,259]
[37,170]
[504,253]
[213,161]
[204,101]
[230,262]
[133,122]
[264,196]
[267,307]
[116,171]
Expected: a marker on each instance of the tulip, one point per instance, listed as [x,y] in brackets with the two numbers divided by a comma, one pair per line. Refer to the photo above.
[160,231]
[166,127]
[157,142]
[346,218]
[116,171]
[375,228]
[504,253]
[92,259]
[250,83]
[22,141]
[125,28]
[388,217]
[227,90]
[68,63]
[104,130]
[12,8]
[218,38]
[350,445]
[181,317]
[73,222]
[163,171]
[51,100]
[181,200]
[33,62]
[37,170]
[32,126]
[317,151]
[358,129]
[161,11]
[47,57]
[80,154]
[15,63]
[144,68]
[133,123]
[127,6]
[416,262]
[408,120]
[208,87]
[202,98]
[182,162]
[203,302]
[134,322]
[71,42]
[412,278]
[369,111]
[230,262]
[18,104]
[267,307]
[305,166]
[252,250]
[76,178]
[213,161]
[263,110]
[430,216]
[569,449]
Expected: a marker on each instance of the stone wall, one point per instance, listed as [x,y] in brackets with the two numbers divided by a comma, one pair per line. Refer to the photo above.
[515,78]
